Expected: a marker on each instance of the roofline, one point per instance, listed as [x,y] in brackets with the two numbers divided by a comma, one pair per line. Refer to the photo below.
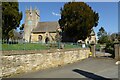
[49,21]
[43,31]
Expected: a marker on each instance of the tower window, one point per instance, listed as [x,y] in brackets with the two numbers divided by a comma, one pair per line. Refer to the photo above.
[30,14]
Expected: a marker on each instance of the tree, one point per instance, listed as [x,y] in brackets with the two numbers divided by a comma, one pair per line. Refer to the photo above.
[118,36]
[22,27]
[109,48]
[114,36]
[11,34]
[10,18]
[102,36]
[101,32]
[14,35]
[0,33]
[103,39]
[77,20]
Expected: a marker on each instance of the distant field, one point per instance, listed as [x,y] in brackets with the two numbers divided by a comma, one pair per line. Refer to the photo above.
[34,46]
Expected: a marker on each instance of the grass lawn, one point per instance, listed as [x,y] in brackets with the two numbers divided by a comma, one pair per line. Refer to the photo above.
[67,46]
[28,46]
[33,46]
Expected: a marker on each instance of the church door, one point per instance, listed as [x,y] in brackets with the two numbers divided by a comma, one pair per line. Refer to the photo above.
[46,40]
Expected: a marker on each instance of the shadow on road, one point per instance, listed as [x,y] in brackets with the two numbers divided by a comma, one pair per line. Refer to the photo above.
[90,75]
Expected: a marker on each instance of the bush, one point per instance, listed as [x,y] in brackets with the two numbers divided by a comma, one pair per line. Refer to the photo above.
[97,47]
[110,48]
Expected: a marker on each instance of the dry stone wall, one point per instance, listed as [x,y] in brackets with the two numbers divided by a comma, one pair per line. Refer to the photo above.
[16,62]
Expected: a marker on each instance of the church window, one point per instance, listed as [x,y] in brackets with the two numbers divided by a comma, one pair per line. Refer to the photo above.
[40,38]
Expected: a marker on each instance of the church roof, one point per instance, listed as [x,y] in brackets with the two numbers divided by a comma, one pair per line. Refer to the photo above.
[46,27]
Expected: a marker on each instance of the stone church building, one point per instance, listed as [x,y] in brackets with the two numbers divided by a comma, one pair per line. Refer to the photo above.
[35,31]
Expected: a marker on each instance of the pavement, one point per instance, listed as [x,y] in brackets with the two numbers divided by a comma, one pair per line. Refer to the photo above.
[91,68]
[101,54]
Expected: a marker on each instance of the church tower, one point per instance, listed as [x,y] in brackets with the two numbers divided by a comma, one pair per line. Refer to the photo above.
[31,20]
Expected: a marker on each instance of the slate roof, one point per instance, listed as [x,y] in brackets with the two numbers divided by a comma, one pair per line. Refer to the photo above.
[46,27]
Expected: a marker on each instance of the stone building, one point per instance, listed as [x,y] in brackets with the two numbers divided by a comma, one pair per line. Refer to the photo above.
[35,31]
[44,32]
[91,38]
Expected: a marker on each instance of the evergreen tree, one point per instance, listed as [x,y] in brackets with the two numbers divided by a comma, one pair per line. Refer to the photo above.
[10,18]
[77,20]
[102,36]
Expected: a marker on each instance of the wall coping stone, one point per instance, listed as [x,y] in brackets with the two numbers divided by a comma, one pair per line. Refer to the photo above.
[25,52]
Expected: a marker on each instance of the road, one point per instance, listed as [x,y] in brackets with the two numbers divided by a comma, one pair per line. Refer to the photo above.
[88,68]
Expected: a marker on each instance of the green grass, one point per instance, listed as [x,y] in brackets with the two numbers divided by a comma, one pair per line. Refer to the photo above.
[33,46]
[29,46]
[67,46]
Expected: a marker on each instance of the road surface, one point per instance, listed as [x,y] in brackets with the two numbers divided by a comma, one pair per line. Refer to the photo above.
[89,68]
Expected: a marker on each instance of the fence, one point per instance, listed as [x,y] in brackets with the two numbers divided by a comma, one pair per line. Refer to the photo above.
[22,45]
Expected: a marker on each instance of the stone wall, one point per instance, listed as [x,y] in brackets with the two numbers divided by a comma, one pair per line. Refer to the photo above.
[34,37]
[16,62]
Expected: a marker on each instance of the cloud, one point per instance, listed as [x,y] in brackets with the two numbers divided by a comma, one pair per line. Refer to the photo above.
[55,14]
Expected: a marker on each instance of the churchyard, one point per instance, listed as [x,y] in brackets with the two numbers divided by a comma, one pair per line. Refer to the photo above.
[37,46]
[43,45]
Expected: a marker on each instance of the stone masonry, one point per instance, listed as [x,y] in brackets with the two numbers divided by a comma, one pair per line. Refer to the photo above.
[16,62]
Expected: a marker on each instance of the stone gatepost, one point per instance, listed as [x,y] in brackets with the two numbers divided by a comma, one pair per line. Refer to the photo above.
[117,50]
[93,49]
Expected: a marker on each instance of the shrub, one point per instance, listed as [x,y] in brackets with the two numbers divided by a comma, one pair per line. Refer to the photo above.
[97,47]
[110,48]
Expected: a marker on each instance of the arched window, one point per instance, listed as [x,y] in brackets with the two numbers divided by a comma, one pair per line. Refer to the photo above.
[47,40]
[39,37]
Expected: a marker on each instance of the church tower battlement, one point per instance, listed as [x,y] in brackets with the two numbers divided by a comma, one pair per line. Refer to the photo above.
[32,17]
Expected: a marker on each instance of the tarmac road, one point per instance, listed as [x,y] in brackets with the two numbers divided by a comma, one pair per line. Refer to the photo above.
[91,68]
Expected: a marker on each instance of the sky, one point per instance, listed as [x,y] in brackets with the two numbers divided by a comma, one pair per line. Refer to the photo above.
[50,11]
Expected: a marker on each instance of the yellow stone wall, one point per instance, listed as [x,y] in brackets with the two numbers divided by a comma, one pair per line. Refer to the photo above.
[39,60]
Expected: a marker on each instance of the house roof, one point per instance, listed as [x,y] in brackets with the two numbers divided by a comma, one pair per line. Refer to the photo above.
[92,33]
[46,27]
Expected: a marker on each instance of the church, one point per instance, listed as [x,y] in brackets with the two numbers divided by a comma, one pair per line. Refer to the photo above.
[35,31]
